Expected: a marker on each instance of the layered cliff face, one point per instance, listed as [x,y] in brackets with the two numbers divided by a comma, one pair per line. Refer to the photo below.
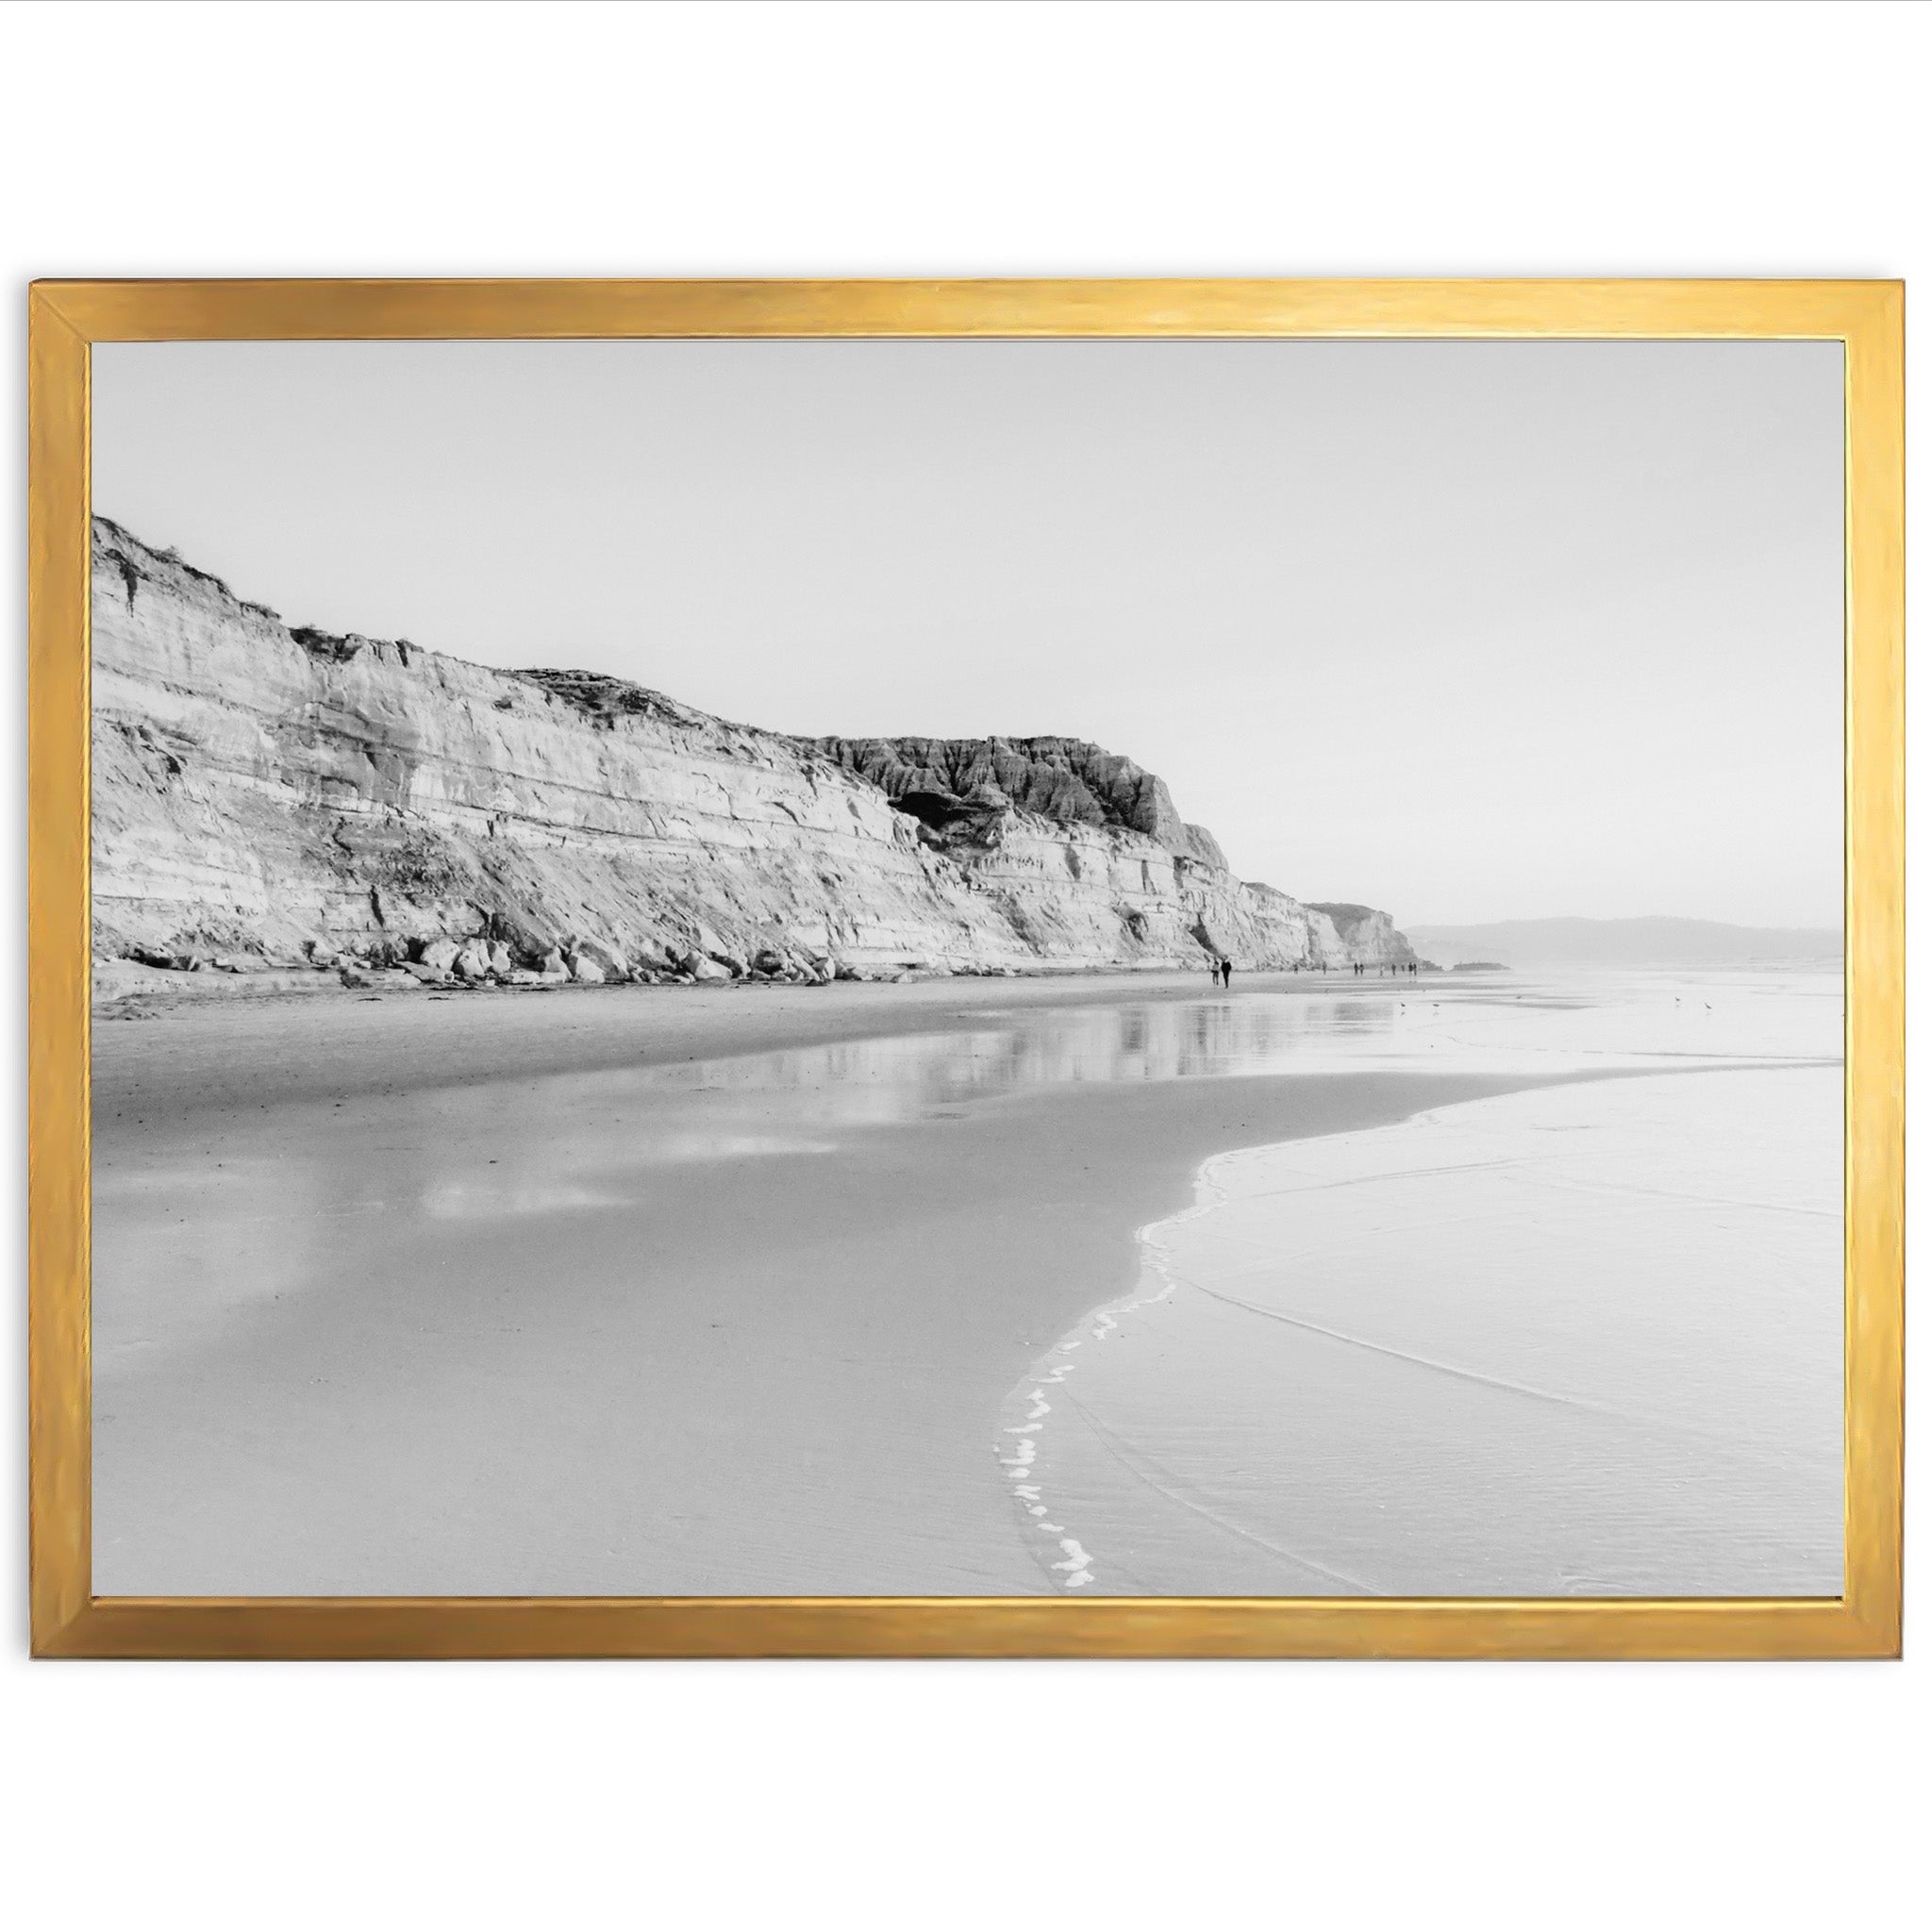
[270,793]
[1366,933]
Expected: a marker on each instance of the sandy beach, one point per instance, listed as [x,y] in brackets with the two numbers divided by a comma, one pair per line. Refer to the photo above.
[416,1295]
[648,1290]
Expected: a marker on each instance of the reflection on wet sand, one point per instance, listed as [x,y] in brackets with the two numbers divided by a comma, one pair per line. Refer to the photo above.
[1010,1052]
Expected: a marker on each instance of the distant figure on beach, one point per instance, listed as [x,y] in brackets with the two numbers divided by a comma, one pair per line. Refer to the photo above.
[1228,973]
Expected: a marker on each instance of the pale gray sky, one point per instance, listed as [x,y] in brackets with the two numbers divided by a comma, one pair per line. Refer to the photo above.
[1468,631]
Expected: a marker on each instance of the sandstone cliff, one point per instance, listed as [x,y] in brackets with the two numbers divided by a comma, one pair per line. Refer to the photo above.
[268,794]
[1366,933]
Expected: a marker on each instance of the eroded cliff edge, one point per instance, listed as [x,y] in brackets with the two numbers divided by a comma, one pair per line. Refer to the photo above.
[269,794]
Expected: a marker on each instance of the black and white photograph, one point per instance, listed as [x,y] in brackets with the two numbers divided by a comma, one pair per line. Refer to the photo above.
[965,971]
[962,968]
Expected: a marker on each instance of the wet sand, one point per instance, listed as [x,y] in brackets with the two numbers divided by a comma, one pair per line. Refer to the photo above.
[415,1295]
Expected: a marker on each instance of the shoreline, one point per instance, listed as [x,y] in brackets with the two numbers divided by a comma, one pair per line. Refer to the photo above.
[520,1298]
[1650,1440]
[763,1376]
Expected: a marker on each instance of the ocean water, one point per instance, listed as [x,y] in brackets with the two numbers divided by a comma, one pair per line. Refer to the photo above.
[1581,1340]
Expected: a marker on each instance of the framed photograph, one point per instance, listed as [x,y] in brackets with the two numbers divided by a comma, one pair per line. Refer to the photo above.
[982,968]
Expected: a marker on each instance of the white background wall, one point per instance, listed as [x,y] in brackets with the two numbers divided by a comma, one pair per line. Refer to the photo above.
[1736,140]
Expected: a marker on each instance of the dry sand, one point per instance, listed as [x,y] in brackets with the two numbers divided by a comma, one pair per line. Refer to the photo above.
[755,1375]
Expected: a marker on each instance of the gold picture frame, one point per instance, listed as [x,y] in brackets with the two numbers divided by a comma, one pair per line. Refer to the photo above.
[68,1619]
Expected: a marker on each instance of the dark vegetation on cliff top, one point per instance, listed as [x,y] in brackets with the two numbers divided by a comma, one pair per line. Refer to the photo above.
[942,781]
[118,547]
[604,699]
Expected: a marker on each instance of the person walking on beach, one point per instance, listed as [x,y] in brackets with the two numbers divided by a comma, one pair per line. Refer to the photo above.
[1226,972]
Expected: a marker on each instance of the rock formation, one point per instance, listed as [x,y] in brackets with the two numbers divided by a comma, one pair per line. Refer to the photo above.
[942,781]
[265,793]
[1366,933]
